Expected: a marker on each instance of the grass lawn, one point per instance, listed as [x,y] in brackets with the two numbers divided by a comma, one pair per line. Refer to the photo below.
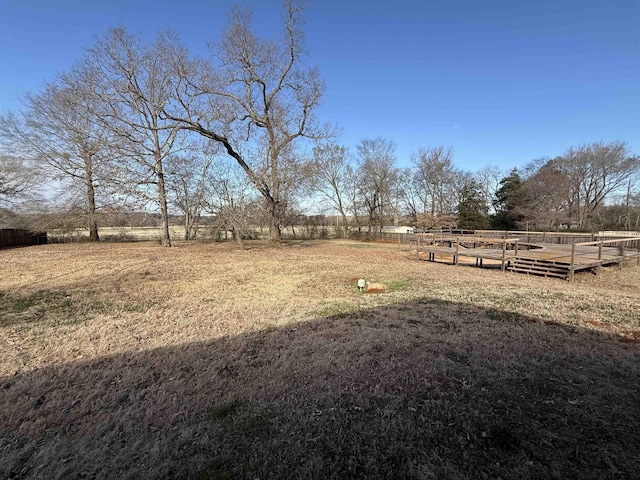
[207,361]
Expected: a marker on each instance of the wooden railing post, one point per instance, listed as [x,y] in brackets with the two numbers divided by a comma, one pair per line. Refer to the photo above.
[599,267]
[573,259]
[504,254]
[455,259]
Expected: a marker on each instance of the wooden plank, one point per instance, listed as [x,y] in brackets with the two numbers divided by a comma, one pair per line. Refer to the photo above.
[538,272]
[538,268]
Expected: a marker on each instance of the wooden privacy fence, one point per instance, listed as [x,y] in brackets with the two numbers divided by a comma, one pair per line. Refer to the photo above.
[15,237]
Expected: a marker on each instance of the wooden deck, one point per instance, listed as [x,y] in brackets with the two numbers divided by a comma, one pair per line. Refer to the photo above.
[549,260]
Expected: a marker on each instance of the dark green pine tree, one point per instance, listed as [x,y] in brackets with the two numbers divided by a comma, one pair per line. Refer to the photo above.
[472,208]
[510,202]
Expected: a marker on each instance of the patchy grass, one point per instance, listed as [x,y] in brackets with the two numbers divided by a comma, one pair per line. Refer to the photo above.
[398,284]
[207,361]
[335,309]
[44,306]
[361,245]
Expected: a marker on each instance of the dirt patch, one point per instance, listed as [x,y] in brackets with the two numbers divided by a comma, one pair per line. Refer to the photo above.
[602,325]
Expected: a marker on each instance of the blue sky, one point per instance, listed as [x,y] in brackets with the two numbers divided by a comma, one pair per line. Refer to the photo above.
[501,82]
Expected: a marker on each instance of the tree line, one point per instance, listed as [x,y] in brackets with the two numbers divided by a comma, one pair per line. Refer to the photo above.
[234,135]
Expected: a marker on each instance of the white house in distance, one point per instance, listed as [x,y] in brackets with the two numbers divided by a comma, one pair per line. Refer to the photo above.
[393,229]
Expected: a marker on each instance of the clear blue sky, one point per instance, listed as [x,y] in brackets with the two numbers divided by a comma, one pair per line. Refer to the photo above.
[501,82]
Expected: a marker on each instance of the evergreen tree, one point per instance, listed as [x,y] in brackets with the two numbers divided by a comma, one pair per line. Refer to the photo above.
[510,202]
[472,208]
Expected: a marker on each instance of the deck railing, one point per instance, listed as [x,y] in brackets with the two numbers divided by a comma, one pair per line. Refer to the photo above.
[624,246]
[570,257]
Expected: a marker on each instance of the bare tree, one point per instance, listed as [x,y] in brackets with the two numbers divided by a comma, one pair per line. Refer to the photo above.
[593,172]
[435,179]
[187,188]
[547,191]
[18,180]
[56,129]
[257,97]
[230,200]
[488,178]
[377,176]
[332,177]
[133,86]
[408,195]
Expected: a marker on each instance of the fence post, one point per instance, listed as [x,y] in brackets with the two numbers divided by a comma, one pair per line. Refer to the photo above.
[599,267]
[504,254]
[516,248]
[455,258]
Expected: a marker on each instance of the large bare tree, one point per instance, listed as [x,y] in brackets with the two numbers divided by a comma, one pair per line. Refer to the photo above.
[56,129]
[377,177]
[133,86]
[256,98]
[435,178]
[488,178]
[548,192]
[332,177]
[592,173]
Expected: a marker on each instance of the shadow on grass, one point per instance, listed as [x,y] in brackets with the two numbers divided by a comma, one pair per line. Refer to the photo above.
[427,389]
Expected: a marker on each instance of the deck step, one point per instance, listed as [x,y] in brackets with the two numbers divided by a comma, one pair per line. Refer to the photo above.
[537,266]
[542,261]
[540,267]
[542,273]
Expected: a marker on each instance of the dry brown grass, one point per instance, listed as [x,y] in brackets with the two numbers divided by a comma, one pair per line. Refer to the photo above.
[129,360]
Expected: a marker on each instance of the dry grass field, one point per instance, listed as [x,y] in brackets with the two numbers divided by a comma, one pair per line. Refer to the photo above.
[206,361]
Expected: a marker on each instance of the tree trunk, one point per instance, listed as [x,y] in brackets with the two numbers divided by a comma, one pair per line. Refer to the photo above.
[627,224]
[162,196]
[187,228]
[238,236]
[191,225]
[91,199]
[346,225]
[275,228]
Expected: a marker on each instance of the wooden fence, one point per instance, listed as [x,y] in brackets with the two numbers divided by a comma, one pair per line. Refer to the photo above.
[15,237]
